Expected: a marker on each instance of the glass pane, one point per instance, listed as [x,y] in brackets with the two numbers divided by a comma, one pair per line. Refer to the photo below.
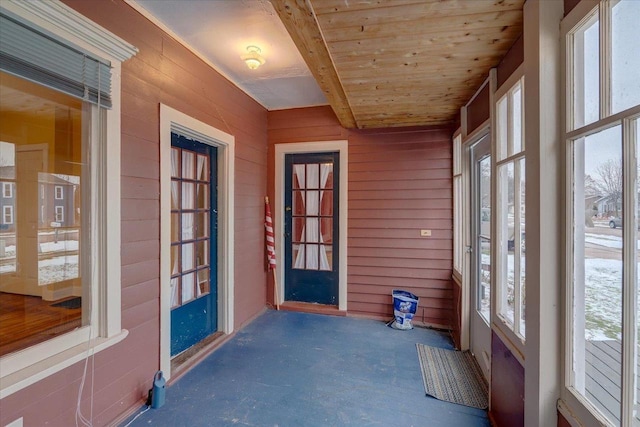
[519,246]
[202,225]
[516,120]
[188,285]
[175,228]
[175,195]
[203,282]
[175,259]
[175,284]
[298,177]
[188,195]
[42,200]
[312,230]
[203,168]
[298,229]
[312,257]
[507,290]
[326,230]
[625,55]
[586,70]
[326,207]
[175,162]
[484,290]
[326,175]
[298,203]
[457,223]
[313,176]
[502,125]
[188,229]
[202,196]
[188,256]
[327,258]
[298,257]
[597,278]
[324,258]
[188,165]
[202,253]
[312,203]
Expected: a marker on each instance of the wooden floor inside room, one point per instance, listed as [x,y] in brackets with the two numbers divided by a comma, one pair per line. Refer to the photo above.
[28,320]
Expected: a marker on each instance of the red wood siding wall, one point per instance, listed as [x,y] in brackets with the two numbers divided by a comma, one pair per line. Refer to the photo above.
[162,72]
[399,183]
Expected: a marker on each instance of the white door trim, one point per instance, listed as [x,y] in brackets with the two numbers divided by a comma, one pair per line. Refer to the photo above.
[341,147]
[174,121]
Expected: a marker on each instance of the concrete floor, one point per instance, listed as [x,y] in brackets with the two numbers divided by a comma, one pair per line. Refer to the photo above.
[296,369]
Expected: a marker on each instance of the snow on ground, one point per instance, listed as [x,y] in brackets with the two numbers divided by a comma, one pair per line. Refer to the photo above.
[603,296]
[614,242]
[57,269]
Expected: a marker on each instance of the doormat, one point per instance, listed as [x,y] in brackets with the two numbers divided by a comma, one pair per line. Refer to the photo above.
[452,376]
[69,303]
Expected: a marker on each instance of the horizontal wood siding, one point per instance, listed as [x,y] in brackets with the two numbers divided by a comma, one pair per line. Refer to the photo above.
[399,183]
[403,180]
[163,71]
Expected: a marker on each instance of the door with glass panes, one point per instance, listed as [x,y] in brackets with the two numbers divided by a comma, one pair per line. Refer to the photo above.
[481,253]
[193,242]
[311,228]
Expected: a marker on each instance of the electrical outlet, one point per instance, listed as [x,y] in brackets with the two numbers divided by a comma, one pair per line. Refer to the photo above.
[425,233]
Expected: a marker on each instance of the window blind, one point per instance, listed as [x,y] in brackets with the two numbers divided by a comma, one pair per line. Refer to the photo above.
[33,55]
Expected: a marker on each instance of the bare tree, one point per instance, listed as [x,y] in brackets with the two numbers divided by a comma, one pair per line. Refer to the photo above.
[609,182]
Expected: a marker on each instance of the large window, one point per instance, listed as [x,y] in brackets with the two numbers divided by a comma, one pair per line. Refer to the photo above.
[42,144]
[510,170]
[602,136]
[59,259]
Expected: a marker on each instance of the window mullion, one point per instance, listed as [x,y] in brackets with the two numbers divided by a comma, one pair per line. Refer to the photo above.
[629,273]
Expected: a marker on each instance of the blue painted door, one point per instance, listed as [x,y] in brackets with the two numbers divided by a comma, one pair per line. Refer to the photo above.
[194,220]
[311,227]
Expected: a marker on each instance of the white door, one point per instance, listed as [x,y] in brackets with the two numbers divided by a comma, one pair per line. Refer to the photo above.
[481,253]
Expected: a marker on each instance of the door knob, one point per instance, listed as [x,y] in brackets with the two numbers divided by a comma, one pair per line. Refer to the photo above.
[287,208]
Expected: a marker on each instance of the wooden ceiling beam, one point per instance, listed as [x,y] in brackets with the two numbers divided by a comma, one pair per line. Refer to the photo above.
[299,20]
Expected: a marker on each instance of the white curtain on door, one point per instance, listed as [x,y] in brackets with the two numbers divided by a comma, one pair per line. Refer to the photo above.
[325,170]
[298,173]
[202,161]
[312,226]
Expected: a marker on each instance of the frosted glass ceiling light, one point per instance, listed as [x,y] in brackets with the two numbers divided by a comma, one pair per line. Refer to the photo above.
[252,58]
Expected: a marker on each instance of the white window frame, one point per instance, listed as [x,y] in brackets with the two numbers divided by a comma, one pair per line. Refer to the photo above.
[7,211]
[7,190]
[59,214]
[21,369]
[510,333]
[58,192]
[573,406]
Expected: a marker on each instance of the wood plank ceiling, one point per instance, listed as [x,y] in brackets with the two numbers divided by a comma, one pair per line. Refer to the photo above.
[391,63]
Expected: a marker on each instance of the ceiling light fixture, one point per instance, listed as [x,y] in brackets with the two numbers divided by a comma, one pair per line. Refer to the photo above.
[252,58]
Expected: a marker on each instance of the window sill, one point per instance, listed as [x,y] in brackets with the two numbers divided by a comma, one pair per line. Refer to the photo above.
[580,415]
[25,377]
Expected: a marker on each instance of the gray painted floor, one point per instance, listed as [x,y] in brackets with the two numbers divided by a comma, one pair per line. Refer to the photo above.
[295,369]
